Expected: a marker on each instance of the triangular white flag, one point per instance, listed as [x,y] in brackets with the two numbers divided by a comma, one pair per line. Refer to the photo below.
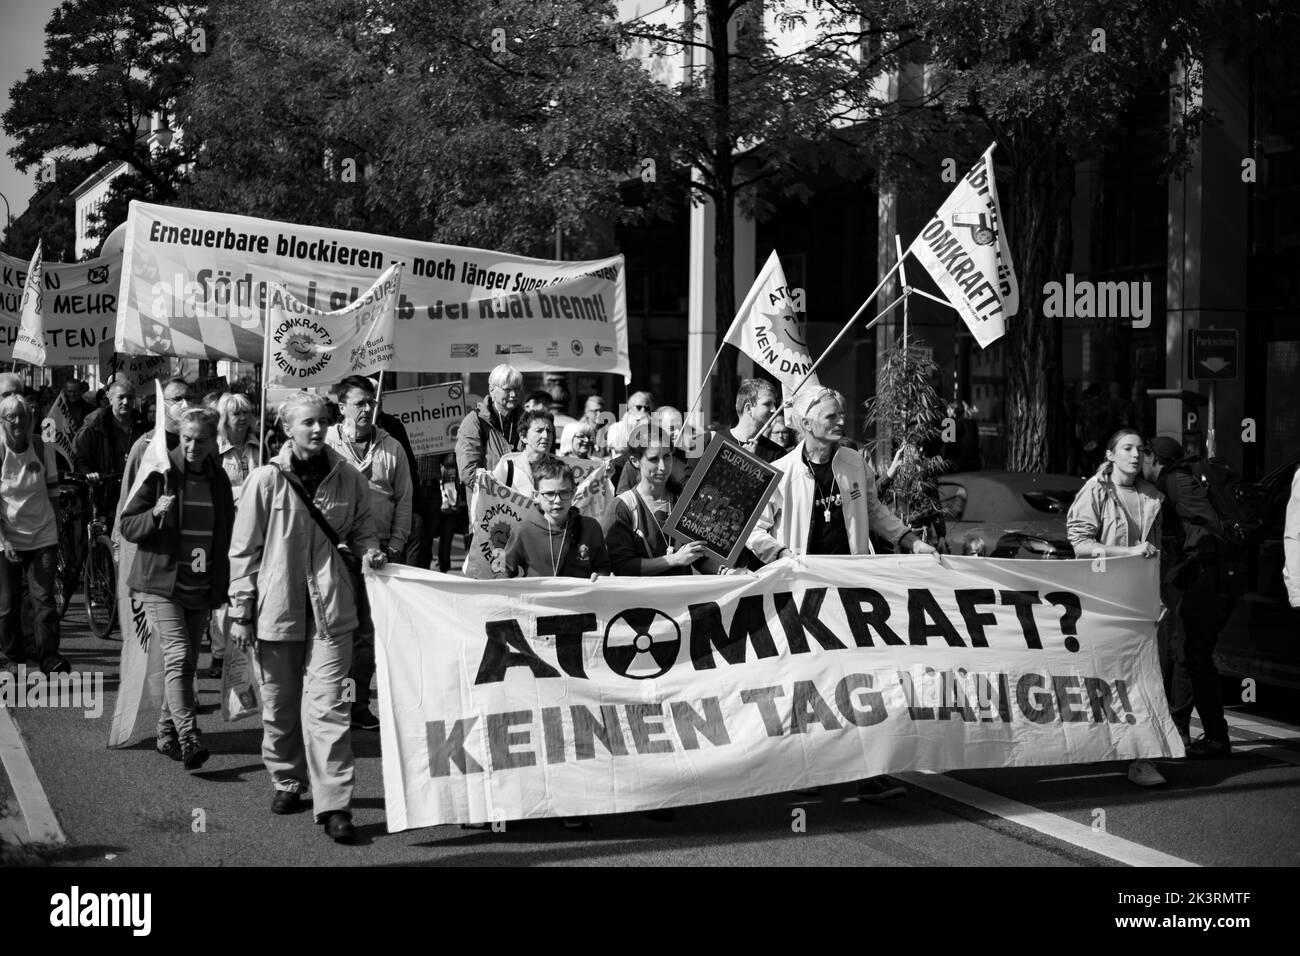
[767,328]
[30,344]
[964,248]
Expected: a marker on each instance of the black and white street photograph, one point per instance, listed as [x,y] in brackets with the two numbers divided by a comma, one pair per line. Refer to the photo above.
[674,434]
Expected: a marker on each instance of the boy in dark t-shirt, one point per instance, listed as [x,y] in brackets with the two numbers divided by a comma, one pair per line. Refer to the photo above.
[554,540]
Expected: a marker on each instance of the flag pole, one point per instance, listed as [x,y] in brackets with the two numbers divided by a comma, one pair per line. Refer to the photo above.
[703,385]
[907,291]
[266,372]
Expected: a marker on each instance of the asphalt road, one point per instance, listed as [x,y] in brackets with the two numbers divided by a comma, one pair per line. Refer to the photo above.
[134,807]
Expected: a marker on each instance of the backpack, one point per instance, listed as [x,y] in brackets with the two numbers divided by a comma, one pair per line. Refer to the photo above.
[1240,513]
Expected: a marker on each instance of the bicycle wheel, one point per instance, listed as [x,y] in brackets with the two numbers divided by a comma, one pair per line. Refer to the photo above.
[66,571]
[101,588]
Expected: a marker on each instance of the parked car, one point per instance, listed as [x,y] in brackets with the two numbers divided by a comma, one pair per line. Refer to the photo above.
[1262,638]
[1013,515]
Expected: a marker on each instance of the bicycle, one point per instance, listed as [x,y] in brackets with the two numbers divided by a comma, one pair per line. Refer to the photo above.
[95,562]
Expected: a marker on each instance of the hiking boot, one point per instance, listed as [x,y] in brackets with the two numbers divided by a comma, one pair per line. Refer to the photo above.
[1210,748]
[194,755]
[169,747]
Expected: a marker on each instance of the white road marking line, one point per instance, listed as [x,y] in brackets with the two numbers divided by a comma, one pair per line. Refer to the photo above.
[42,825]
[1049,824]
[1249,726]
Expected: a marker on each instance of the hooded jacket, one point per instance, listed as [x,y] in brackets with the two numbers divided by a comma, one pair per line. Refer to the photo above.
[159,539]
[281,559]
[786,521]
[1096,515]
[484,439]
[576,549]
[388,474]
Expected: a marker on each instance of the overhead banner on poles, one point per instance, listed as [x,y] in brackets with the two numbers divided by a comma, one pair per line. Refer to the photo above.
[559,697]
[79,307]
[194,285]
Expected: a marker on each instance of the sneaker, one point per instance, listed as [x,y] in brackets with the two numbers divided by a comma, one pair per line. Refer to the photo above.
[576,824]
[338,826]
[1210,748]
[285,802]
[169,747]
[880,788]
[194,755]
[364,720]
[215,670]
[1144,774]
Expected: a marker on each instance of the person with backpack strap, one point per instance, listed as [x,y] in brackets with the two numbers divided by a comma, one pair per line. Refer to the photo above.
[1207,575]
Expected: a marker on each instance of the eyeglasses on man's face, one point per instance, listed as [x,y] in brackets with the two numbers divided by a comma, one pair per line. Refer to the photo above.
[555,495]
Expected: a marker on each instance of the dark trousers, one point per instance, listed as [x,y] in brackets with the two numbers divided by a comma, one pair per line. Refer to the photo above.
[450,523]
[362,670]
[39,567]
[424,526]
[1204,608]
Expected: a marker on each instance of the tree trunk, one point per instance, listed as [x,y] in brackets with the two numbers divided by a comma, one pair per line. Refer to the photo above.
[1038,220]
[724,238]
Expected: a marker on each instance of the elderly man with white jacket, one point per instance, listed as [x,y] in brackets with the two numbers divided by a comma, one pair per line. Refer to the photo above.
[825,503]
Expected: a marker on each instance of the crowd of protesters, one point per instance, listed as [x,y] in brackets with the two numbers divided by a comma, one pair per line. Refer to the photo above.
[269,559]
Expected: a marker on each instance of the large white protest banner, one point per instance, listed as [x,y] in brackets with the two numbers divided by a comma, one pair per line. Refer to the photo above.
[79,308]
[194,285]
[964,248]
[560,697]
[495,509]
[767,328]
[312,347]
[431,415]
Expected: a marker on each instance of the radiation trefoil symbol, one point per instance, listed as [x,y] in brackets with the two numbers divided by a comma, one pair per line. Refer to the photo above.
[642,643]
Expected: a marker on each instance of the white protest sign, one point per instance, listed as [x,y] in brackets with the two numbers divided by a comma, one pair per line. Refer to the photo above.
[560,697]
[312,347]
[79,307]
[194,285]
[431,415]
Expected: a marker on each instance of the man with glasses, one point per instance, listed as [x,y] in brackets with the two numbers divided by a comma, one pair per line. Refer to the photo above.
[640,406]
[492,430]
[105,443]
[825,503]
[176,399]
[382,462]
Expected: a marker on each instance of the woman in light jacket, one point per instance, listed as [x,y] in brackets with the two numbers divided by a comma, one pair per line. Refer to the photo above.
[1117,514]
[237,449]
[181,522]
[515,470]
[292,598]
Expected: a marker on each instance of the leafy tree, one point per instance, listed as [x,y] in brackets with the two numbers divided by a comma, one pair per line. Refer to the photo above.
[49,216]
[1040,79]
[488,123]
[760,118]
[109,65]
[907,408]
